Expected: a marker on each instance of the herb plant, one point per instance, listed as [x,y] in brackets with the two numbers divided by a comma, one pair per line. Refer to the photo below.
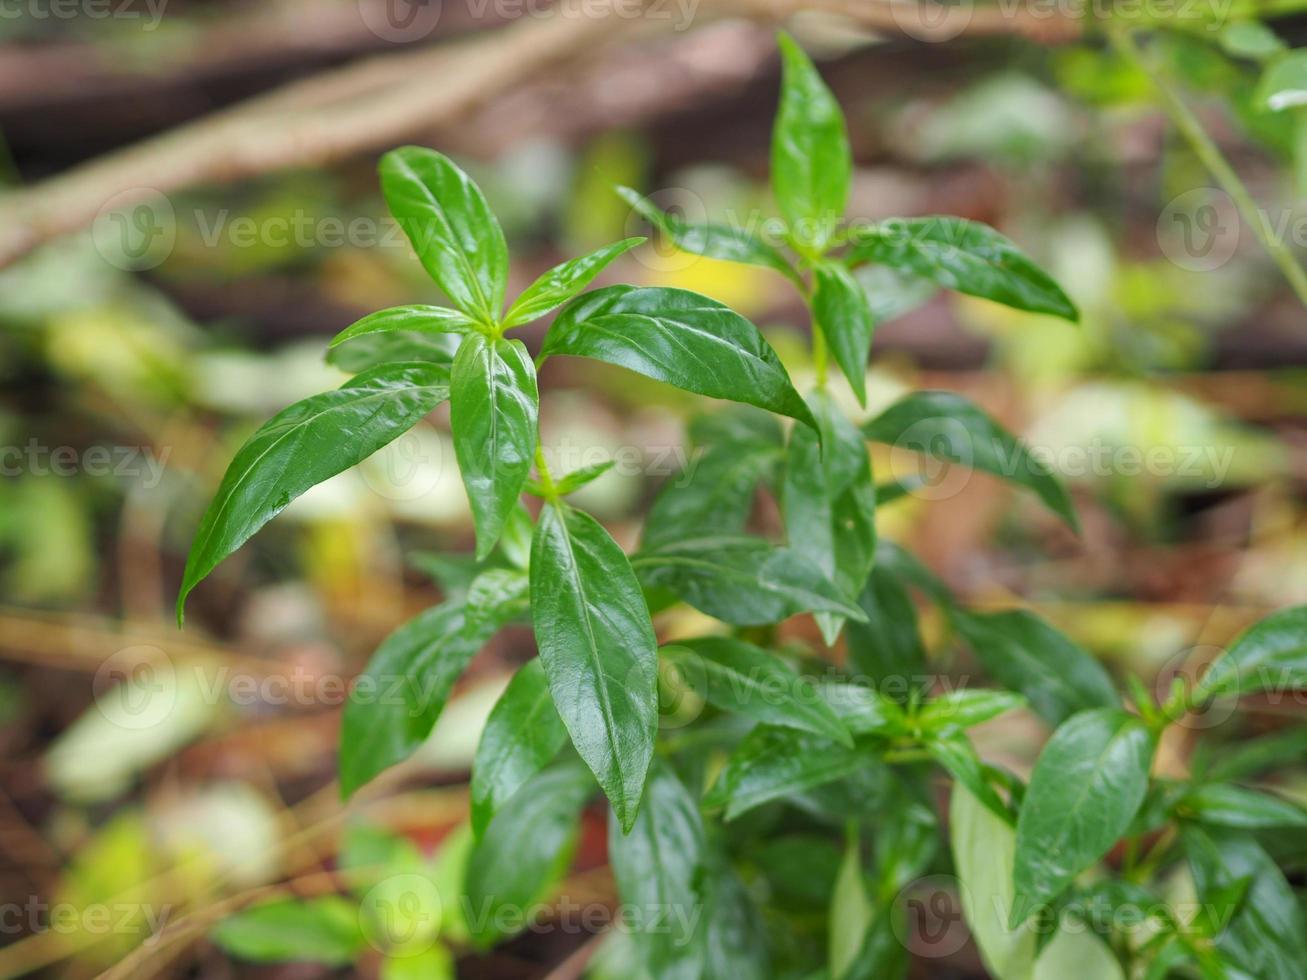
[779,834]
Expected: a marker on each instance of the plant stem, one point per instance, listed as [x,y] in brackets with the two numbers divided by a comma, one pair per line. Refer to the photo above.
[819,357]
[546,478]
[1207,151]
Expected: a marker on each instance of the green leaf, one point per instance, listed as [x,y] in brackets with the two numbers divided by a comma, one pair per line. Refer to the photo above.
[954,751]
[562,282]
[522,735]
[851,910]
[967,256]
[1233,806]
[1266,936]
[965,708]
[1284,82]
[810,158]
[1025,654]
[598,648]
[841,311]
[741,580]
[772,762]
[1270,656]
[736,936]
[948,427]
[886,650]
[679,337]
[303,445]
[1077,954]
[829,503]
[712,240]
[408,319]
[315,930]
[374,349]
[1258,755]
[524,851]
[1251,39]
[573,481]
[434,963]
[659,869]
[716,491]
[984,849]
[863,710]
[453,231]
[749,681]
[1087,785]
[395,702]
[493,412]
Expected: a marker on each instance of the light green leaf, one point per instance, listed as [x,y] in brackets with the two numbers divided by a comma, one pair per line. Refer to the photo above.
[1025,654]
[598,648]
[1251,39]
[454,233]
[712,240]
[810,158]
[395,702]
[747,680]
[522,734]
[863,710]
[494,405]
[1284,82]
[964,255]
[303,445]
[741,580]
[562,282]
[954,751]
[571,482]
[408,319]
[948,427]
[851,911]
[525,850]
[679,337]
[315,930]
[659,869]
[841,311]
[1087,785]
[1270,656]
[1077,954]
[434,963]
[965,708]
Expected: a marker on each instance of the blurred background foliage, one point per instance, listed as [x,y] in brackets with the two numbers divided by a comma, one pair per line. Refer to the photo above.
[131,376]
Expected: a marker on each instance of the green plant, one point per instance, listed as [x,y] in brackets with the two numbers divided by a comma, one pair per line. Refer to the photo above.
[726,833]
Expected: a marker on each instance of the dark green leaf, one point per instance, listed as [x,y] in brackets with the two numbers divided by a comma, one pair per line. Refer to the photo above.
[842,313]
[407,319]
[747,680]
[948,427]
[1025,654]
[1087,785]
[303,445]
[1265,935]
[954,751]
[829,503]
[316,930]
[741,580]
[562,282]
[374,349]
[522,734]
[863,710]
[735,427]
[1259,755]
[395,702]
[1234,806]
[597,644]
[525,850]
[773,762]
[659,869]
[963,255]
[736,935]
[716,491]
[493,414]
[453,231]
[1269,656]
[712,240]
[964,708]
[800,868]
[886,651]
[810,158]
[679,337]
